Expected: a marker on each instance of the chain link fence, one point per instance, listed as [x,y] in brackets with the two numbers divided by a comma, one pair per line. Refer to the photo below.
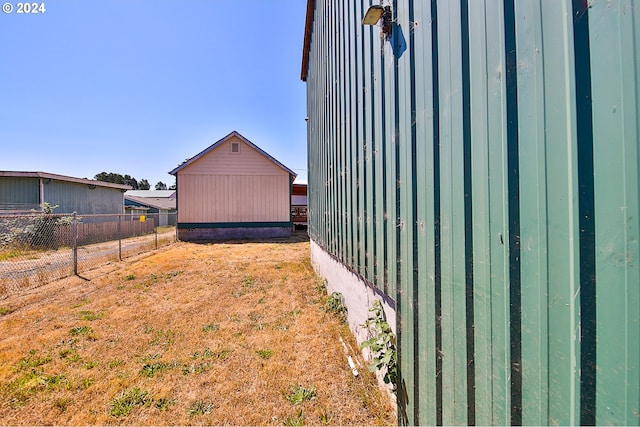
[39,248]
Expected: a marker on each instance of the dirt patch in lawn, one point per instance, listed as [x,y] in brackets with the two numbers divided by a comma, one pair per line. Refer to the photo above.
[190,334]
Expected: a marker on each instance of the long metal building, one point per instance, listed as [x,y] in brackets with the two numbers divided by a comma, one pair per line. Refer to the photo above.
[25,191]
[475,165]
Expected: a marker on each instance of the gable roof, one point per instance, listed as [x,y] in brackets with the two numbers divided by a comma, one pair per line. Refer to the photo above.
[153,202]
[151,193]
[222,141]
[53,176]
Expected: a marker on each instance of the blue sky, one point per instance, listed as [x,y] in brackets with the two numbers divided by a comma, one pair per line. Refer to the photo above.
[137,86]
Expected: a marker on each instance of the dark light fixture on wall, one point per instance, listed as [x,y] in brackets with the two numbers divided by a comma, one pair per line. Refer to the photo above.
[377,12]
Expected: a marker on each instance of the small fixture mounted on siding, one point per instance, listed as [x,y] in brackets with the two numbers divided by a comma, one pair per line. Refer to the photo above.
[377,12]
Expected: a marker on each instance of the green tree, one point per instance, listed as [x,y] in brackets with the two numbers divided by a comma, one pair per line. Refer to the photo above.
[129,180]
[116,178]
[161,186]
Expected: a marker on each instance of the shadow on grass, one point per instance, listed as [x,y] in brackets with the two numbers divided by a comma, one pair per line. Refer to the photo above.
[297,236]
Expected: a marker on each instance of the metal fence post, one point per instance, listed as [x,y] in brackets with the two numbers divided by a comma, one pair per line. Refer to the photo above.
[74,230]
[120,237]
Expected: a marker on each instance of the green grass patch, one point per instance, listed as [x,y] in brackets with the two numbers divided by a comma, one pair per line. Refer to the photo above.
[325,417]
[164,403]
[295,420]
[80,303]
[200,407]
[211,327]
[125,402]
[265,353]
[62,403]
[247,285]
[115,363]
[80,330]
[299,394]
[195,368]
[33,361]
[223,354]
[53,381]
[30,383]
[65,352]
[161,337]
[69,355]
[8,255]
[149,370]
[90,315]
[87,382]
[206,354]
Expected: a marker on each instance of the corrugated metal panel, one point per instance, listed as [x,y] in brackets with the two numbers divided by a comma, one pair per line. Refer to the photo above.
[481,169]
[614,38]
[19,193]
[84,199]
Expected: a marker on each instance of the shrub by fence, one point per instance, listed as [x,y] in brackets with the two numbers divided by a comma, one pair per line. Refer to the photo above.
[41,247]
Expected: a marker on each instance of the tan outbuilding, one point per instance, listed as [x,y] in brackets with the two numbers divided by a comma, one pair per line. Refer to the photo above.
[233,189]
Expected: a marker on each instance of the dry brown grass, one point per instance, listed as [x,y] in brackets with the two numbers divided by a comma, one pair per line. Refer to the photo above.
[212,333]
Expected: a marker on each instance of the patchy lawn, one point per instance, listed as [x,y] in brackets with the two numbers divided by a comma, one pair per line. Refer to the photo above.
[227,333]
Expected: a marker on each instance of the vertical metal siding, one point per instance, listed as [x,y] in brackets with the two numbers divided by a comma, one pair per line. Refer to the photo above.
[19,193]
[389,164]
[24,194]
[481,169]
[535,238]
[615,66]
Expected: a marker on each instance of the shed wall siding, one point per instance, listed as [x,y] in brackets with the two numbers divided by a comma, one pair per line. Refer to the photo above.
[481,169]
[234,198]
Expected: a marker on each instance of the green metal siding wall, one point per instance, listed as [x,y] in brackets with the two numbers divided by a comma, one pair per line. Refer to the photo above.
[353,184]
[481,168]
